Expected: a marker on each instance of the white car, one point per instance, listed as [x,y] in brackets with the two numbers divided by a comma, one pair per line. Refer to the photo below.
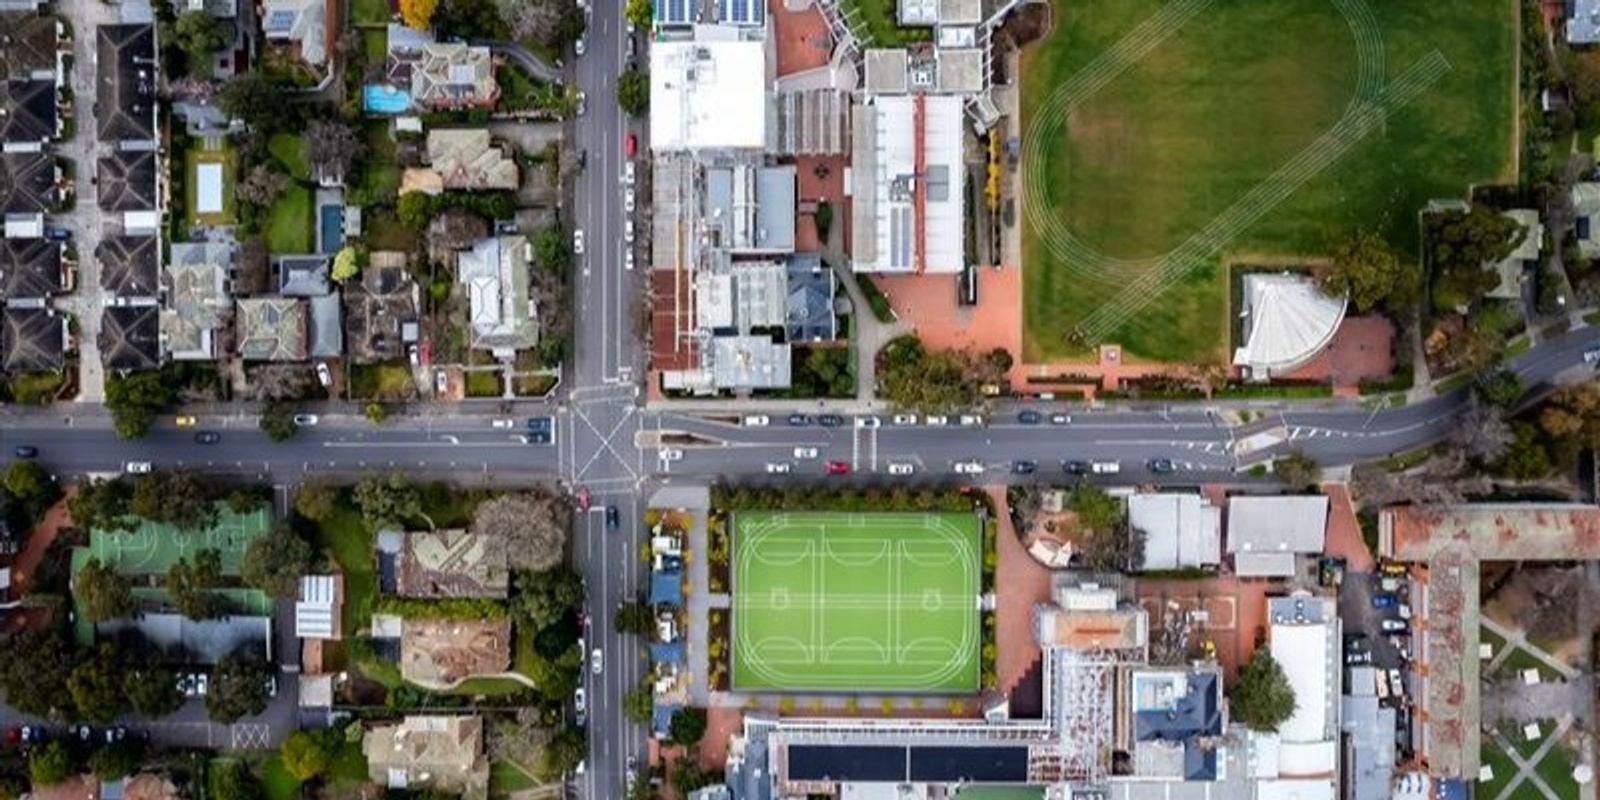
[969,468]
[137,467]
[905,419]
[805,452]
[502,424]
[441,381]
[901,468]
[1105,467]
[579,47]
[577,242]
[868,422]
[627,172]
[627,231]
[578,700]
[936,420]
[627,259]
[1591,356]
[971,420]
[671,454]
[778,468]
[757,421]
[305,420]
[583,103]
[324,377]
[596,661]
[627,200]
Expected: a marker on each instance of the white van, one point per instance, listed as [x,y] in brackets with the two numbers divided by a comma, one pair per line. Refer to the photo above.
[756,421]
[1105,467]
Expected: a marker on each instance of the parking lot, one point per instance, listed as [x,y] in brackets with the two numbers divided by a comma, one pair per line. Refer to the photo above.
[1375,608]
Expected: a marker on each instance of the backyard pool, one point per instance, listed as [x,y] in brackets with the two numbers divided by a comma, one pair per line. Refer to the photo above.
[384,99]
[330,228]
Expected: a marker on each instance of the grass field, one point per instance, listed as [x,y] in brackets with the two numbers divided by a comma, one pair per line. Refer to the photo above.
[289,225]
[855,602]
[1161,149]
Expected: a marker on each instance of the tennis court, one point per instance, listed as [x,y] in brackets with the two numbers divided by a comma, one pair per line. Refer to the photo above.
[855,602]
[153,547]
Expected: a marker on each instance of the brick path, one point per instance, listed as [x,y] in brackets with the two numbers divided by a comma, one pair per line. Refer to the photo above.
[1020,584]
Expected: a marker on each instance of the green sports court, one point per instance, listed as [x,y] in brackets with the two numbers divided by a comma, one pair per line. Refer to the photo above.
[151,548]
[855,602]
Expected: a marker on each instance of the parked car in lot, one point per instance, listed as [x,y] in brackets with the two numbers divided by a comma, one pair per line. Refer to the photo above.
[136,467]
[583,500]
[1392,625]
[805,452]
[1075,467]
[968,467]
[905,419]
[901,468]
[778,468]
[1383,601]
[830,420]
[838,468]
[799,420]
[1030,418]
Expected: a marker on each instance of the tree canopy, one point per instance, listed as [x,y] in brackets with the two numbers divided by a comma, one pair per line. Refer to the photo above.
[386,499]
[103,593]
[633,91]
[33,671]
[28,480]
[914,378]
[97,685]
[177,497]
[238,688]
[531,525]
[687,726]
[417,13]
[1460,244]
[639,12]
[190,583]
[1297,469]
[50,764]
[199,34]
[1368,271]
[252,99]
[134,399]
[332,149]
[305,754]
[1261,699]
[542,598]
[274,563]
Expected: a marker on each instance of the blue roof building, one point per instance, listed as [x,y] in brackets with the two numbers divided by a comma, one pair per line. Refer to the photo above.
[666,588]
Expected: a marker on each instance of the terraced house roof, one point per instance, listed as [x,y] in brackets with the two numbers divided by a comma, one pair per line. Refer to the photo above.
[125,88]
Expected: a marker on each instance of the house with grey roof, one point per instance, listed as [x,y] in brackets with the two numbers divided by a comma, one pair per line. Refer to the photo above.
[750,209]
[1180,530]
[30,116]
[1586,221]
[1583,21]
[272,329]
[444,76]
[381,309]
[301,25]
[1513,270]
[28,183]
[125,83]
[33,338]
[130,337]
[809,314]
[30,268]
[500,307]
[127,181]
[128,266]
[198,300]
[468,159]
[29,47]
[1265,534]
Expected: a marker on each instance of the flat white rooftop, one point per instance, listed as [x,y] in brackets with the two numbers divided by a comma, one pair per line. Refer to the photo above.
[707,95]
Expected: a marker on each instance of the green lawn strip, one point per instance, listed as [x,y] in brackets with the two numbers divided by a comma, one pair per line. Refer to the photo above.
[1489,637]
[484,383]
[289,225]
[507,776]
[488,687]
[1593,317]
[1520,659]
[865,636]
[276,782]
[1140,167]
[384,381]
[1518,346]
[533,385]
[1492,755]
[345,537]
[369,12]
[1406,460]
[875,20]
[375,45]
[380,175]
[1512,731]
[289,152]
[1452,383]
[1556,769]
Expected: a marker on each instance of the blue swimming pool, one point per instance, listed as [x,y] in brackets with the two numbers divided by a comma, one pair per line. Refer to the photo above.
[330,228]
[384,99]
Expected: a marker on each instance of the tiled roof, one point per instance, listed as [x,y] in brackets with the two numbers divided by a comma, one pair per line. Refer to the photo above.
[35,340]
[27,183]
[271,329]
[128,266]
[29,268]
[126,82]
[130,337]
[28,50]
[128,181]
[30,111]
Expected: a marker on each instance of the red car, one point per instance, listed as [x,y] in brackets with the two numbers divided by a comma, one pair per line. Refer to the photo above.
[630,145]
[838,468]
[583,500]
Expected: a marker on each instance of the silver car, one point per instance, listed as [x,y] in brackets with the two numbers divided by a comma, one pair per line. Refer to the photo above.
[596,661]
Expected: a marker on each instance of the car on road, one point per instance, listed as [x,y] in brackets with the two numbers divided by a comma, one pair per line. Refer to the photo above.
[805,452]
[901,468]
[577,242]
[936,420]
[613,519]
[627,259]
[1591,356]
[503,424]
[1392,625]
[136,467]
[583,103]
[630,145]
[1105,467]
[578,47]
[583,500]
[540,424]
[579,700]
[627,200]
[799,420]
[627,230]
[830,420]
[55,234]
[1384,601]
[208,437]
[838,468]
[186,421]
[596,661]
[306,420]
[777,467]
[324,376]
[627,172]
[671,454]
[1030,417]
[969,467]
[905,419]
[757,420]
[26,451]
[1075,467]
[1024,466]
[1162,466]
[868,422]
[971,420]
[1060,419]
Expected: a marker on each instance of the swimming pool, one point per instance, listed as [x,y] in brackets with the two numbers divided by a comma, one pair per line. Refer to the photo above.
[331,228]
[384,99]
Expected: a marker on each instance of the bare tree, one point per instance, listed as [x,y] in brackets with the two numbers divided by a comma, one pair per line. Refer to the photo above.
[332,149]
[1559,598]
[1483,434]
[531,525]
[262,185]
[279,382]
[533,19]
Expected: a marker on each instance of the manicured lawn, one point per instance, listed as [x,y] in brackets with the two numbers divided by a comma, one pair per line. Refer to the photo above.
[484,384]
[345,537]
[276,782]
[193,157]
[380,177]
[1452,383]
[1153,156]
[1519,659]
[506,777]
[1556,769]
[287,150]
[374,43]
[388,381]
[1493,756]
[533,385]
[874,20]
[289,225]
[369,12]
[1518,346]
[1489,637]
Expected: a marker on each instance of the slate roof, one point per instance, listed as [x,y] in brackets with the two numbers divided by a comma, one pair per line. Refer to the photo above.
[27,183]
[28,49]
[303,276]
[128,181]
[378,307]
[130,337]
[125,90]
[128,266]
[30,111]
[35,340]
[809,310]
[430,752]
[195,283]
[469,159]
[272,329]
[30,268]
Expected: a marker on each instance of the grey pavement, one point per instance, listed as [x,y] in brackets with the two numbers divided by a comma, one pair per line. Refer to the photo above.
[525,58]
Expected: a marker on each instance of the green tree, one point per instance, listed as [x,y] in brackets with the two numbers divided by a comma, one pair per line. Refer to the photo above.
[551,250]
[687,726]
[231,779]
[1571,419]
[1297,469]
[102,505]
[345,264]
[244,501]
[543,598]
[252,99]
[50,764]
[1096,510]
[102,592]
[640,12]
[277,421]
[634,617]
[116,760]
[305,755]
[1500,387]
[153,692]
[823,217]
[376,413]
[413,210]
[562,754]
[914,378]
[1364,268]
[238,688]
[191,585]
[1459,245]
[639,704]
[1527,458]
[386,499]
[96,685]
[198,34]
[134,399]
[274,563]
[316,501]
[687,776]
[26,480]
[633,91]
[1261,698]
[34,666]
[176,497]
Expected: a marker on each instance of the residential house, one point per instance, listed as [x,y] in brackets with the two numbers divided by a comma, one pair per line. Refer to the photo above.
[33,338]
[29,116]
[308,277]
[1586,222]
[30,46]
[198,300]
[1516,266]
[1583,21]
[380,309]
[466,159]
[809,314]
[272,329]
[439,653]
[445,76]
[28,183]
[126,83]
[1180,531]
[128,267]
[443,563]
[1265,534]
[130,337]
[501,314]
[128,183]
[438,753]
[318,607]
[300,25]
[30,269]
